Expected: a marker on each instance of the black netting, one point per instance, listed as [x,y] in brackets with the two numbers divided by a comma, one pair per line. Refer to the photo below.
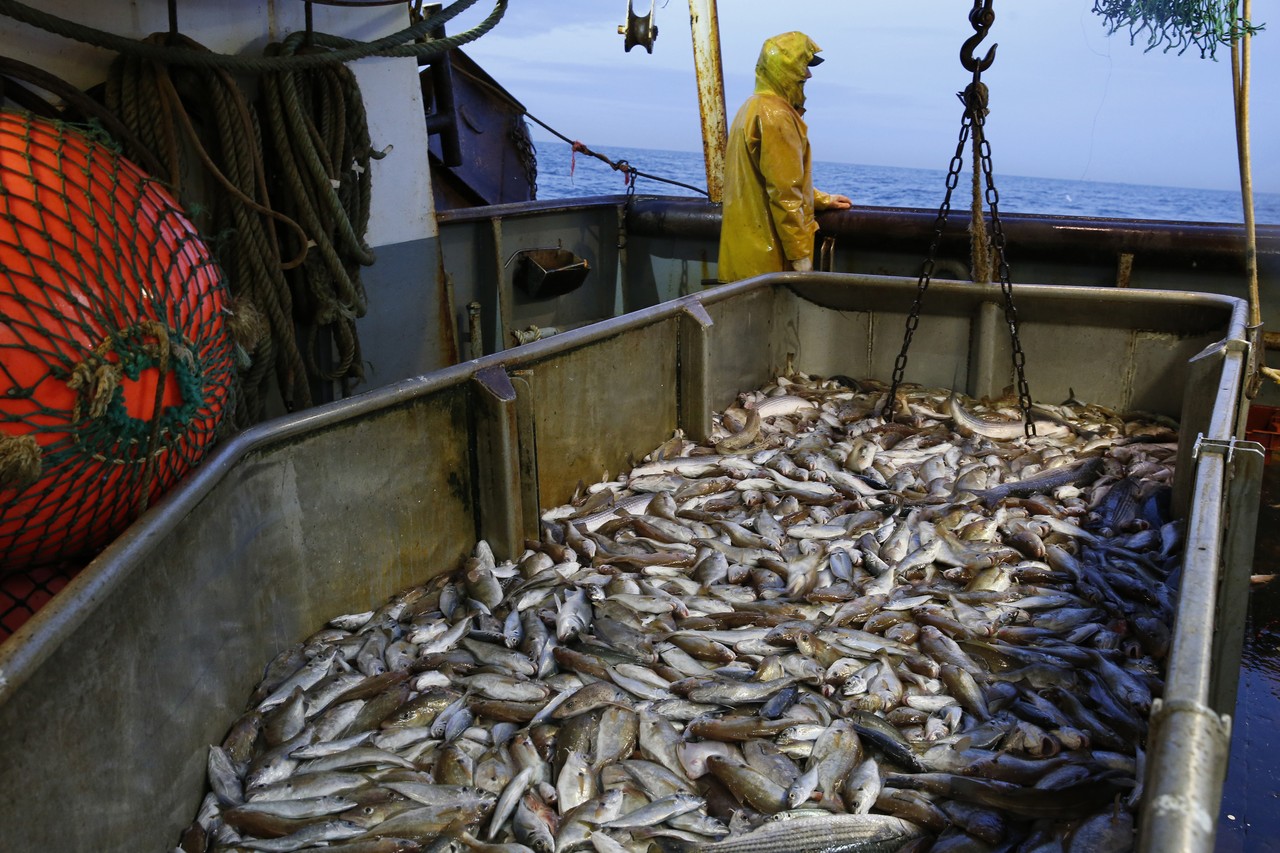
[23,593]
[115,363]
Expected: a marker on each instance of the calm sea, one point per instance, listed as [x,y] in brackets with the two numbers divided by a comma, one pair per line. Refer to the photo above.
[563,176]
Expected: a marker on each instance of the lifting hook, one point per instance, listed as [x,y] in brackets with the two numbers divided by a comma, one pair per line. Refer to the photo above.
[981,18]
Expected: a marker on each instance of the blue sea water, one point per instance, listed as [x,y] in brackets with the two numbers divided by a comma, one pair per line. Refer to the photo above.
[563,175]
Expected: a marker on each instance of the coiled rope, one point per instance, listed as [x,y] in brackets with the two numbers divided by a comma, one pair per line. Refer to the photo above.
[319,136]
[402,43]
[179,99]
[78,102]
[226,143]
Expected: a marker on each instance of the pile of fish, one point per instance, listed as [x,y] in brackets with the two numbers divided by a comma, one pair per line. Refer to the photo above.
[823,631]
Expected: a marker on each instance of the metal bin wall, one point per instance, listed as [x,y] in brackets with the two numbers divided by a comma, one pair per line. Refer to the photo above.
[112,693]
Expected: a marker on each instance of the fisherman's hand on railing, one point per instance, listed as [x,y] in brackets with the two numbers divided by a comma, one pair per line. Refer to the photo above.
[802,264]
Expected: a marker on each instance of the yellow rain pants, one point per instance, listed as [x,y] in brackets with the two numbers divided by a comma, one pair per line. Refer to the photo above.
[769,199]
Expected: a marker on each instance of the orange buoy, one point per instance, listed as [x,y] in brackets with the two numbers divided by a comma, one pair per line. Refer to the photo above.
[116,365]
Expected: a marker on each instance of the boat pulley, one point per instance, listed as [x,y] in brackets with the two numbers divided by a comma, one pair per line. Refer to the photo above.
[975,100]
[639,29]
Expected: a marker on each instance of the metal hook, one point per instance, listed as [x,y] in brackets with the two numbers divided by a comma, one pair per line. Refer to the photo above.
[981,18]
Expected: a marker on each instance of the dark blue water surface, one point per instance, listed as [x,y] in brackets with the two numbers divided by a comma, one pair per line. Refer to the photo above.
[563,175]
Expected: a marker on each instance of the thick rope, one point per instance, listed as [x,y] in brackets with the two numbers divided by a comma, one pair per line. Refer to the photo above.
[20,461]
[979,241]
[315,154]
[402,43]
[225,147]
[97,379]
[318,133]
[115,131]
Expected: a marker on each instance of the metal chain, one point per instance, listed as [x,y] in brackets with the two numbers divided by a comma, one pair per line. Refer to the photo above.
[974,100]
[629,173]
[1002,267]
[926,271]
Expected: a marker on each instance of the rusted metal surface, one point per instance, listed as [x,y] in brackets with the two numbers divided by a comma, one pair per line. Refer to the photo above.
[477,136]
[1124,269]
[706,60]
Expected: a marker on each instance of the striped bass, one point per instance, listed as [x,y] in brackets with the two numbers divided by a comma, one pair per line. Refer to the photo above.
[1081,472]
[784,405]
[837,833]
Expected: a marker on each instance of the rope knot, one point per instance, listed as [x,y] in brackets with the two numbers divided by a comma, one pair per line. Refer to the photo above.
[20,462]
[247,325]
[976,97]
[98,380]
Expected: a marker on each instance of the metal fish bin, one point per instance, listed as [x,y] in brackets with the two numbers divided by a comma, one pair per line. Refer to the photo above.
[112,694]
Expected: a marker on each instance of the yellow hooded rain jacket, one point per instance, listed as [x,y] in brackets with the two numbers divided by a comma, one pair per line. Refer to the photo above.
[769,199]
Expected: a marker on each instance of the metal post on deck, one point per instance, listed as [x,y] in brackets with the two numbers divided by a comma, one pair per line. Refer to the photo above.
[705,24]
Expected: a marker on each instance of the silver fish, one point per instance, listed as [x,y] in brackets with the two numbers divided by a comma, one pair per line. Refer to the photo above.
[851,833]
[574,614]
[944,603]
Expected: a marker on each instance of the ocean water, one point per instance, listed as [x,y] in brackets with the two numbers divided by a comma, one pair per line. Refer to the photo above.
[563,175]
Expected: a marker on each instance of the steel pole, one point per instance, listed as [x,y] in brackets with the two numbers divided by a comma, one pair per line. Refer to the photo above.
[705,25]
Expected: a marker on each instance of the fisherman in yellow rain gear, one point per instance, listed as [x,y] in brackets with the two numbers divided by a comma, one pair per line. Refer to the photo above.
[769,199]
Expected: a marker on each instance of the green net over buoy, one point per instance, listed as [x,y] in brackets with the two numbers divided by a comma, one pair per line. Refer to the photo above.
[116,366]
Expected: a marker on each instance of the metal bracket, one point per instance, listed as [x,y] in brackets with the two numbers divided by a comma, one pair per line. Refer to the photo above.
[1224,448]
[1162,709]
[1237,345]
[827,254]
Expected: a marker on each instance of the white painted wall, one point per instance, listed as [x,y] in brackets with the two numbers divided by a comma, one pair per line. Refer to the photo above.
[402,208]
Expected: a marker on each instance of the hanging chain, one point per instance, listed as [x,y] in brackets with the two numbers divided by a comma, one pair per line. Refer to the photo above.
[527,154]
[1002,266]
[974,98]
[629,173]
[926,271]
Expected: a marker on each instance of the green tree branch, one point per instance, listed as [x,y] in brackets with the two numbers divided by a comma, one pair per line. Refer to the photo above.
[1178,24]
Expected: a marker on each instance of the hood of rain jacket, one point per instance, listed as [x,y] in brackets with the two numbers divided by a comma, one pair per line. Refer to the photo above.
[783,66]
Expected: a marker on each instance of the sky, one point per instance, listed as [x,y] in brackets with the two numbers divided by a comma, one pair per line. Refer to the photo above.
[1067,100]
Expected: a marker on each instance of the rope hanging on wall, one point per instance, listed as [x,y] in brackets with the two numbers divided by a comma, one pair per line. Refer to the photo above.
[197,122]
[317,136]
[181,101]
[406,42]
